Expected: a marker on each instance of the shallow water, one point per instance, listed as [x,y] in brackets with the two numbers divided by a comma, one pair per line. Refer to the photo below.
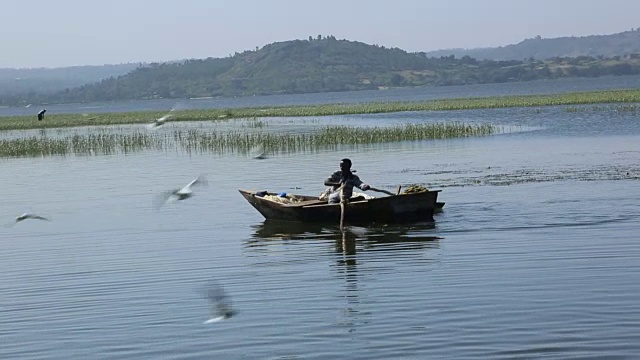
[535,255]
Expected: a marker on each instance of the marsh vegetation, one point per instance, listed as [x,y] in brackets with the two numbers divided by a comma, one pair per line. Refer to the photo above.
[109,133]
[121,140]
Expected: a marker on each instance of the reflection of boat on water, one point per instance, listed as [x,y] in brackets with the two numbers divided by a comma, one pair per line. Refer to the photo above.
[275,229]
[356,253]
[402,208]
[414,236]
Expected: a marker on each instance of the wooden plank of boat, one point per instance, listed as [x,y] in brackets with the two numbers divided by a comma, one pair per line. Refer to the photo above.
[315,202]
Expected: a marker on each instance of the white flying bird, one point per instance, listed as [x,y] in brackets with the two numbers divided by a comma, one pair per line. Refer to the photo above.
[261,156]
[160,121]
[179,194]
[258,152]
[220,304]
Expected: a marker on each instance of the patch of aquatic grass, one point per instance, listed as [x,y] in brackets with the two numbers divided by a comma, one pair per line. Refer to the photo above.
[237,141]
[616,108]
[573,109]
[612,108]
[221,114]
[92,144]
[335,135]
[233,141]
[256,124]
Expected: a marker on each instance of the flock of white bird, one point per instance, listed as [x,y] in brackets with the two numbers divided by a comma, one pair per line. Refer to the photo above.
[220,303]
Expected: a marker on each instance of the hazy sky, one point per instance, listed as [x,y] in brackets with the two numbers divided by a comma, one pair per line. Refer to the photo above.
[54,33]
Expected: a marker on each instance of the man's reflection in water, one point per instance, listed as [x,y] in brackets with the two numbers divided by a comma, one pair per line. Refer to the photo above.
[347,266]
[346,245]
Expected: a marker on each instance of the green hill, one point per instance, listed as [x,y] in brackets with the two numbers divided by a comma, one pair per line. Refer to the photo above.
[298,66]
[607,46]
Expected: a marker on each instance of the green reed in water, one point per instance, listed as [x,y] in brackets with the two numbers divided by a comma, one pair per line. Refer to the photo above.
[101,119]
[611,108]
[233,141]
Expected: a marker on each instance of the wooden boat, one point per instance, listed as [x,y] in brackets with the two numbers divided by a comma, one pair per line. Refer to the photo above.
[414,207]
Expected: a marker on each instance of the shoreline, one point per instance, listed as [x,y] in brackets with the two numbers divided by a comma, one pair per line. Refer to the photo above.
[26,122]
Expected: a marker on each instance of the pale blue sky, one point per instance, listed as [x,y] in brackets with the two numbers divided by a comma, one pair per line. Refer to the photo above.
[54,33]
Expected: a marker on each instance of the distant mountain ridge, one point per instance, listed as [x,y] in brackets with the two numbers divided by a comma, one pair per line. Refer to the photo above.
[608,46]
[322,64]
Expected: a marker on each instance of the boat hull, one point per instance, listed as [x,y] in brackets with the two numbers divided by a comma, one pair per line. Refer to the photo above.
[401,208]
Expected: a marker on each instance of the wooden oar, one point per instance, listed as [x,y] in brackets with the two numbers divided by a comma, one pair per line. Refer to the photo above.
[382,191]
[342,201]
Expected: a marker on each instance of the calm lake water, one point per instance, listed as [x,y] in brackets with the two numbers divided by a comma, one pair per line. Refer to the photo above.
[536,254]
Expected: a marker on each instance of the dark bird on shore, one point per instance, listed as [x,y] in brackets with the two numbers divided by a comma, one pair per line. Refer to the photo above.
[41,114]
[179,194]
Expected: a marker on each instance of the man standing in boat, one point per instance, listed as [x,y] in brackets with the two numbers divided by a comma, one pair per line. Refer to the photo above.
[345,177]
